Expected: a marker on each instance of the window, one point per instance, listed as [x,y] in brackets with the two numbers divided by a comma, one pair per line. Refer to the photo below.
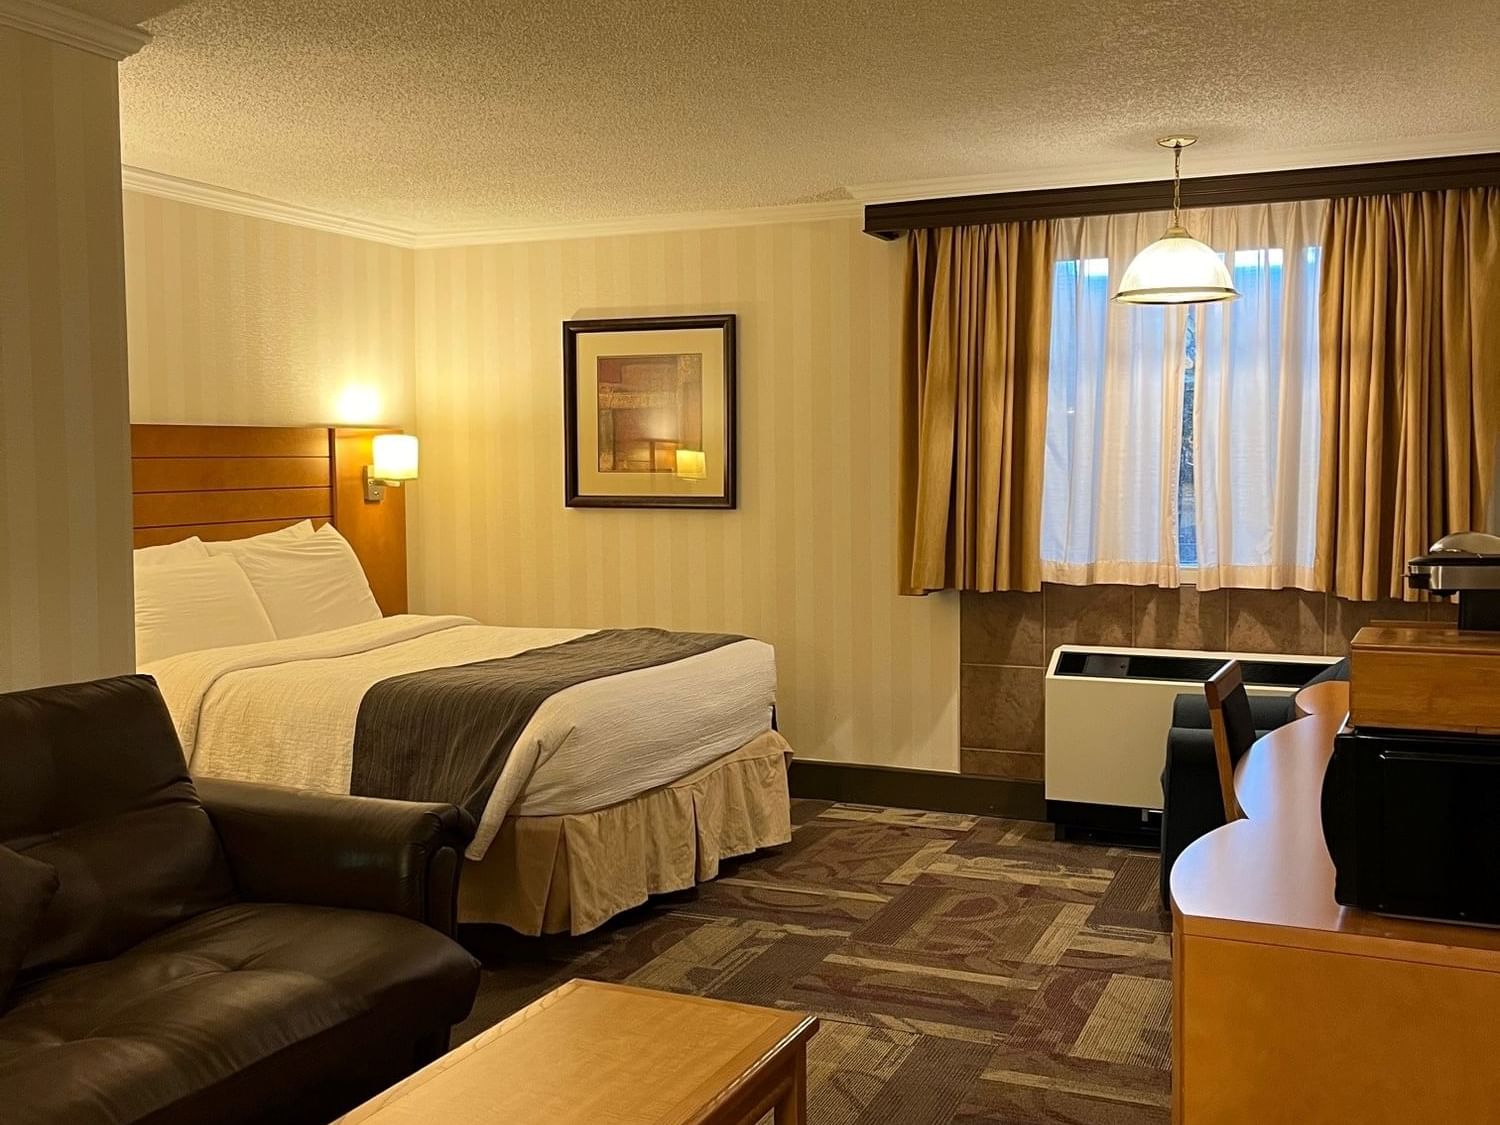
[1187,494]
[1182,442]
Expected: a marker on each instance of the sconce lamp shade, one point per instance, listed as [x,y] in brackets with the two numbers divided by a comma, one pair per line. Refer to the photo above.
[395,457]
[1176,269]
[692,464]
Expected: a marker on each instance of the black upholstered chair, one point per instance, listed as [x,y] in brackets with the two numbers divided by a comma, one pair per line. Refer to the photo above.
[227,953]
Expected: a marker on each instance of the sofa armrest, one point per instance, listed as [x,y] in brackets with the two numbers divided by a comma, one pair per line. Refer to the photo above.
[362,853]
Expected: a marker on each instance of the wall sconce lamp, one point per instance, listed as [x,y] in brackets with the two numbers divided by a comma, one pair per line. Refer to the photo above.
[691,464]
[395,457]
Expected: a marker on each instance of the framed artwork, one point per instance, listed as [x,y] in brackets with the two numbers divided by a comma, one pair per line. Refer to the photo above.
[648,412]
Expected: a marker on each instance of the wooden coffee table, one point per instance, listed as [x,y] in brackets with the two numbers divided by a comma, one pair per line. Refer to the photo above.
[608,1054]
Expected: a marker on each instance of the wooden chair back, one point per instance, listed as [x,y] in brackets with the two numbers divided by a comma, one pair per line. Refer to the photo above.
[1233,729]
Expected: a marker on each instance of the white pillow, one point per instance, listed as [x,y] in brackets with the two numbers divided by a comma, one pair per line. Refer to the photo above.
[207,603]
[234,547]
[309,585]
[171,554]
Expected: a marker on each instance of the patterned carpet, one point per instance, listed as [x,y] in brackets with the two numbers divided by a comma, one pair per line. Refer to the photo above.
[966,969]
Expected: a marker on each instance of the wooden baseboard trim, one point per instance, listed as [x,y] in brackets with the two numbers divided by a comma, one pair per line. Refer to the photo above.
[918,789]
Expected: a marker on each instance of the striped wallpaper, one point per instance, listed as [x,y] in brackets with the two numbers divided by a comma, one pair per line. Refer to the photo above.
[65,588]
[808,561]
[236,320]
[241,320]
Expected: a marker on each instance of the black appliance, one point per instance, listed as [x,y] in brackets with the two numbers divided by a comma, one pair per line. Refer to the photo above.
[1412,822]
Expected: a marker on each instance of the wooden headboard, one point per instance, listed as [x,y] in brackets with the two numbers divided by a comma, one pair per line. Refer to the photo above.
[229,482]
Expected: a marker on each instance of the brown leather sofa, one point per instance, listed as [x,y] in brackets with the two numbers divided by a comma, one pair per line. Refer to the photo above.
[226,953]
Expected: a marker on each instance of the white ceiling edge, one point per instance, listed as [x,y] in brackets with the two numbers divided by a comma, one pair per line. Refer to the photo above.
[73,29]
[1148,167]
[1155,164]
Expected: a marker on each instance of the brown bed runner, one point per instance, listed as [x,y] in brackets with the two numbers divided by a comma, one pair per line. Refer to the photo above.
[444,734]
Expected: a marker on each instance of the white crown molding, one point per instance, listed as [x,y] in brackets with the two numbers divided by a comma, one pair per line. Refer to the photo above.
[74,29]
[648,224]
[240,203]
[1150,165]
[257,207]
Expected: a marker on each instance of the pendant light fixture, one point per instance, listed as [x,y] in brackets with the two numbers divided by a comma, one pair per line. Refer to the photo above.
[1176,269]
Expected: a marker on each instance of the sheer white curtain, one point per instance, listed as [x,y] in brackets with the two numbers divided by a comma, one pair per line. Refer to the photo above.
[1182,442]
[1114,414]
[1256,404]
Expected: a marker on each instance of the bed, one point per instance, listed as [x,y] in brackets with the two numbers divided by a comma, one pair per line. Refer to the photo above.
[639,760]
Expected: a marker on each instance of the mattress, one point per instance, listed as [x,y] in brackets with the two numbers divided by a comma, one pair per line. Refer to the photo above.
[283,712]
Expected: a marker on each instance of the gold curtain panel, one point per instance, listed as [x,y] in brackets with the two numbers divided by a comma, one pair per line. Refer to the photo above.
[1410,340]
[977,337]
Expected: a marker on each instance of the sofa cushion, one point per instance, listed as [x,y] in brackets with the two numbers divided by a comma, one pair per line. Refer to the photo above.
[26,887]
[247,997]
[96,787]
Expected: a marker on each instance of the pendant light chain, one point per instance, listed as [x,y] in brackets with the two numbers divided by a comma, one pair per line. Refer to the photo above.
[1177,184]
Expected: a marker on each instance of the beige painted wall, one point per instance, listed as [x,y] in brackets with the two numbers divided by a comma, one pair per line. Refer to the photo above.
[240,320]
[65,589]
[806,562]
[243,321]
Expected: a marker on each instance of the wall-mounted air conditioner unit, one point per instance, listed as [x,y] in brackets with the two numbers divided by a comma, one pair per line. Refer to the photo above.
[1108,711]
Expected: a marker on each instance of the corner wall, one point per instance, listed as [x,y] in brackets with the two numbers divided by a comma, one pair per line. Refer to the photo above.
[65,582]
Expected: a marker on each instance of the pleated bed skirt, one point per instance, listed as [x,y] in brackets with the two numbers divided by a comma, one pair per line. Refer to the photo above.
[570,874]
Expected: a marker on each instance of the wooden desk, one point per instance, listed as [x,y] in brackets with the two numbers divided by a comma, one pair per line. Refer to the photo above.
[608,1054]
[1290,1008]
[1331,698]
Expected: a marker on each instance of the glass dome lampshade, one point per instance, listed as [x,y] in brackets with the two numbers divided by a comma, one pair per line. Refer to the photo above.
[1176,269]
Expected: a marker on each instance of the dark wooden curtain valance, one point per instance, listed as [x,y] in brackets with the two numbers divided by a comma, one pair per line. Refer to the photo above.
[888,220]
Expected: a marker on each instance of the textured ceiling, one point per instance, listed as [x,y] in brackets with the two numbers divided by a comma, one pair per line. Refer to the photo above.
[443,114]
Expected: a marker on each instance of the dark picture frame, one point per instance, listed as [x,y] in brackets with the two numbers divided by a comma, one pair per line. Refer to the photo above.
[575,330]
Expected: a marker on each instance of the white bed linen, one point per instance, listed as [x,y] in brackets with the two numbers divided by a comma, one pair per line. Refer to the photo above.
[283,712]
